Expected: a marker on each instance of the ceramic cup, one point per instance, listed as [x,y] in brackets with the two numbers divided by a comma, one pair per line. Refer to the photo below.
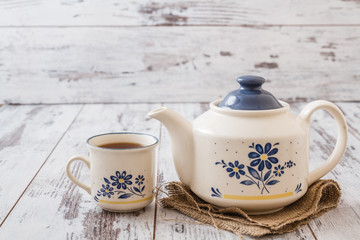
[122,179]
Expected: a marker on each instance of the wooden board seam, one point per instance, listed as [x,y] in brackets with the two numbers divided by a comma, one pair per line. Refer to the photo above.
[187,25]
[32,179]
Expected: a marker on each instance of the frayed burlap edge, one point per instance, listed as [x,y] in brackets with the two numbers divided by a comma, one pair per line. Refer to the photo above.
[322,196]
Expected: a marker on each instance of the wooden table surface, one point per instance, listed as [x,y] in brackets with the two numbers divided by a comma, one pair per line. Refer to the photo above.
[72,69]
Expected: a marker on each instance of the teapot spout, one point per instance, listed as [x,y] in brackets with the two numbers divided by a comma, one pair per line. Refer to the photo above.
[182,142]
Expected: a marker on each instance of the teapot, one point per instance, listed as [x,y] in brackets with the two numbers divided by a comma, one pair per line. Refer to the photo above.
[248,150]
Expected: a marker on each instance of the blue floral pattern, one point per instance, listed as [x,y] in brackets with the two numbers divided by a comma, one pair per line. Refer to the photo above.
[260,171]
[235,169]
[263,156]
[298,188]
[216,192]
[278,170]
[140,180]
[290,164]
[123,182]
[106,190]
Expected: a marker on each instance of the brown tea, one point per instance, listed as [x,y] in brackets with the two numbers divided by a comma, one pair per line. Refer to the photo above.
[121,145]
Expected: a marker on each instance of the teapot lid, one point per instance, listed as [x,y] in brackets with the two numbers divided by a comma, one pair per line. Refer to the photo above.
[250,96]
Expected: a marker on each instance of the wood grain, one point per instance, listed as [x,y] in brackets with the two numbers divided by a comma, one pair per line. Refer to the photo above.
[181,64]
[344,221]
[53,207]
[163,12]
[178,54]
[28,135]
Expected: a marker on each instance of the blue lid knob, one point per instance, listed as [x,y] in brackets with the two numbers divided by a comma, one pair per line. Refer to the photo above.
[251,82]
[250,96]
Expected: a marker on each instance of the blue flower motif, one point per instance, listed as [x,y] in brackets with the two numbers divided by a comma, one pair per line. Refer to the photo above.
[235,169]
[278,170]
[290,164]
[121,180]
[263,156]
[140,180]
[216,192]
[106,190]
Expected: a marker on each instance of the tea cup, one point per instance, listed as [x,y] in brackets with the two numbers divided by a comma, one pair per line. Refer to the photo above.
[122,170]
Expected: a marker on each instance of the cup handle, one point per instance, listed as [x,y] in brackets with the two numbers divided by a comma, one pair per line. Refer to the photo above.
[72,178]
[341,141]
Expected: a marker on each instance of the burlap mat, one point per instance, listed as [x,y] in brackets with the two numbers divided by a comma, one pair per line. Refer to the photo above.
[322,196]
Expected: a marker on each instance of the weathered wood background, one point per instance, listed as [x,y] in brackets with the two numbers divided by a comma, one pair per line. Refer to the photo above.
[126,51]
[70,69]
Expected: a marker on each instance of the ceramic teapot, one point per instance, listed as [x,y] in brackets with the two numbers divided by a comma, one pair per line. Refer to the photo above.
[248,150]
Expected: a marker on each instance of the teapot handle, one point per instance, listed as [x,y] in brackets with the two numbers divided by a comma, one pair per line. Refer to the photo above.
[341,141]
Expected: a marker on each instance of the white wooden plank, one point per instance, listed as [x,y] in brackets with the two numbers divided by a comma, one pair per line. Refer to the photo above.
[28,134]
[183,227]
[163,12]
[328,228]
[181,64]
[54,208]
[344,221]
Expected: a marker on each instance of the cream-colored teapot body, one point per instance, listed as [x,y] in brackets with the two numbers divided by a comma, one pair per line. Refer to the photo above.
[256,160]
